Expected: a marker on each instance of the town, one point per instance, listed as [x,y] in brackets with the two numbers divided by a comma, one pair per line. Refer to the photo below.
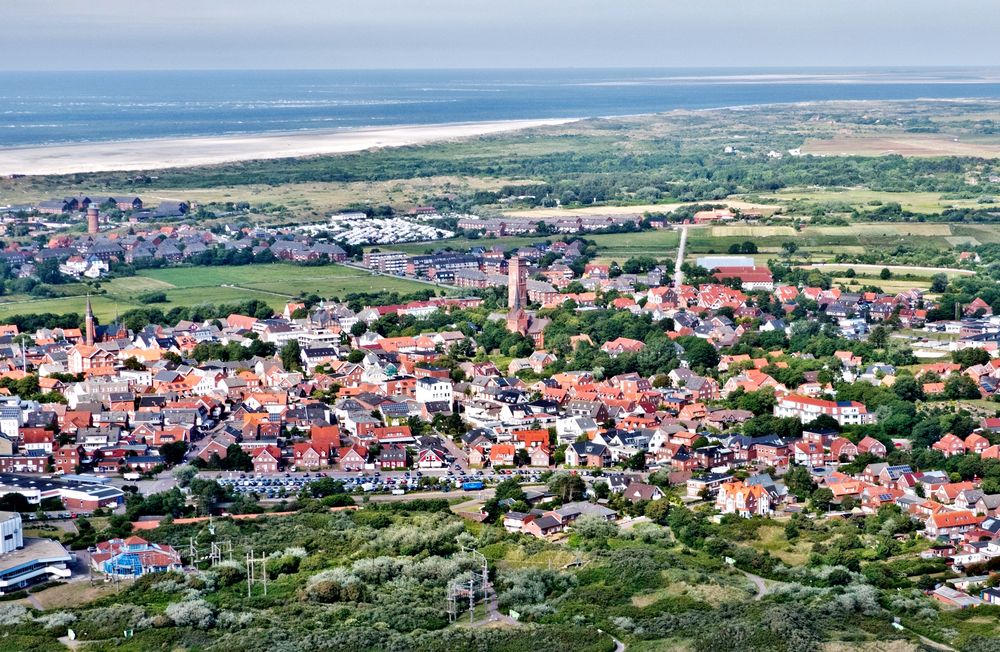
[719,387]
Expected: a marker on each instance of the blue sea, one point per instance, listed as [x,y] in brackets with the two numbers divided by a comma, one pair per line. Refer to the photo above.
[39,108]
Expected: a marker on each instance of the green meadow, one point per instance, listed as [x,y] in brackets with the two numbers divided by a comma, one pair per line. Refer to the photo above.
[188,286]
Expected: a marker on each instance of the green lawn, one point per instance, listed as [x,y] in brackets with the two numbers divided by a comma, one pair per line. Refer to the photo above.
[189,286]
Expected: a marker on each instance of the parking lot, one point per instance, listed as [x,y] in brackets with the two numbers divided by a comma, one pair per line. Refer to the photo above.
[275,486]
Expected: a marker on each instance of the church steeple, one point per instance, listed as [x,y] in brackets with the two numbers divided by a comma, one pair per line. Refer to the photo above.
[90,323]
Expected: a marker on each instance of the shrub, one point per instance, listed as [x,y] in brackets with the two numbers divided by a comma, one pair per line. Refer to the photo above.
[13,614]
[56,620]
[191,613]
[230,572]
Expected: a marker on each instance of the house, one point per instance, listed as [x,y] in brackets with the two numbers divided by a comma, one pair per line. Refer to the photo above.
[949,445]
[807,409]
[843,448]
[392,457]
[502,455]
[433,390]
[134,557]
[587,454]
[352,458]
[543,526]
[950,524]
[871,446]
[637,491]
[976,443]
[743,499]
[307,456]
[67,458]
[620,345]
[515,521]
[431,457]
[702,387]
[706,485]
[266,459]
[539,457]
[954,598]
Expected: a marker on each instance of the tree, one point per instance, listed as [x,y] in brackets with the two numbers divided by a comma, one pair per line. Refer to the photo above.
[885,274]
[699,353]
[821,499]
[970,357]
[879,337]
[939,283]
[132,364]
[184,474]
[510,488]
[636,462]
[959,386]
[658,510]
[789,247]
[14,502]
[567,486]
[799,482]
[173,452]
[907,388]
[291,354]
[602,490]
[237,459]
[325,487]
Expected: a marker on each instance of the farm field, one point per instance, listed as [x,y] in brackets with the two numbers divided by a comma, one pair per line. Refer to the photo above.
[189,286]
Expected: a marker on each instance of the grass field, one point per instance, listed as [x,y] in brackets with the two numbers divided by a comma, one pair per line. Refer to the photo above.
[917,202]
[552,213]
[818,242]
[752,231]
[891,286]
[897,270]
[904,144]
[189,286]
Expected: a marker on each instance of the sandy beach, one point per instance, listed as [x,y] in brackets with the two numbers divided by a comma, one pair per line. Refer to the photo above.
[185,152]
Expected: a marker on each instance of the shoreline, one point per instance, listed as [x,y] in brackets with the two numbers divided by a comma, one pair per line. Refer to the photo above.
[165,153]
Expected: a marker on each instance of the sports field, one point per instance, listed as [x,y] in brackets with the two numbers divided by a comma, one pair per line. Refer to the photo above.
[188,286]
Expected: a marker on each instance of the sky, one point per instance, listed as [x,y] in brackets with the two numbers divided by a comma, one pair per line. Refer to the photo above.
[337,34]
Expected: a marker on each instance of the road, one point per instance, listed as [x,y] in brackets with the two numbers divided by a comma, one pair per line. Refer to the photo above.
[460,456]
[678,273]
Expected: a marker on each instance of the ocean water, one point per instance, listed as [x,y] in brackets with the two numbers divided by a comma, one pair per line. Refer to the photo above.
[60,107]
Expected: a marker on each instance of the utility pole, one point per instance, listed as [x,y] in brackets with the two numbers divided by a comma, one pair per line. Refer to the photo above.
[249,571]
[252,572]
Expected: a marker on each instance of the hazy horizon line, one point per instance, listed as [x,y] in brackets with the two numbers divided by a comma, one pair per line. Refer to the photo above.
[520,68]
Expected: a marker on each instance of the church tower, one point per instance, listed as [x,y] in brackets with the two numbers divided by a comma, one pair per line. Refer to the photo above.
[517,283]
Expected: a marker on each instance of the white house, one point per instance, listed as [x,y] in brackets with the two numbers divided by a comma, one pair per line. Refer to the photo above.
[430,390]
[807,409]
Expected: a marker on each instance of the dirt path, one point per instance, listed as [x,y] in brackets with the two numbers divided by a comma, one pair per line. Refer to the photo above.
[760,583]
